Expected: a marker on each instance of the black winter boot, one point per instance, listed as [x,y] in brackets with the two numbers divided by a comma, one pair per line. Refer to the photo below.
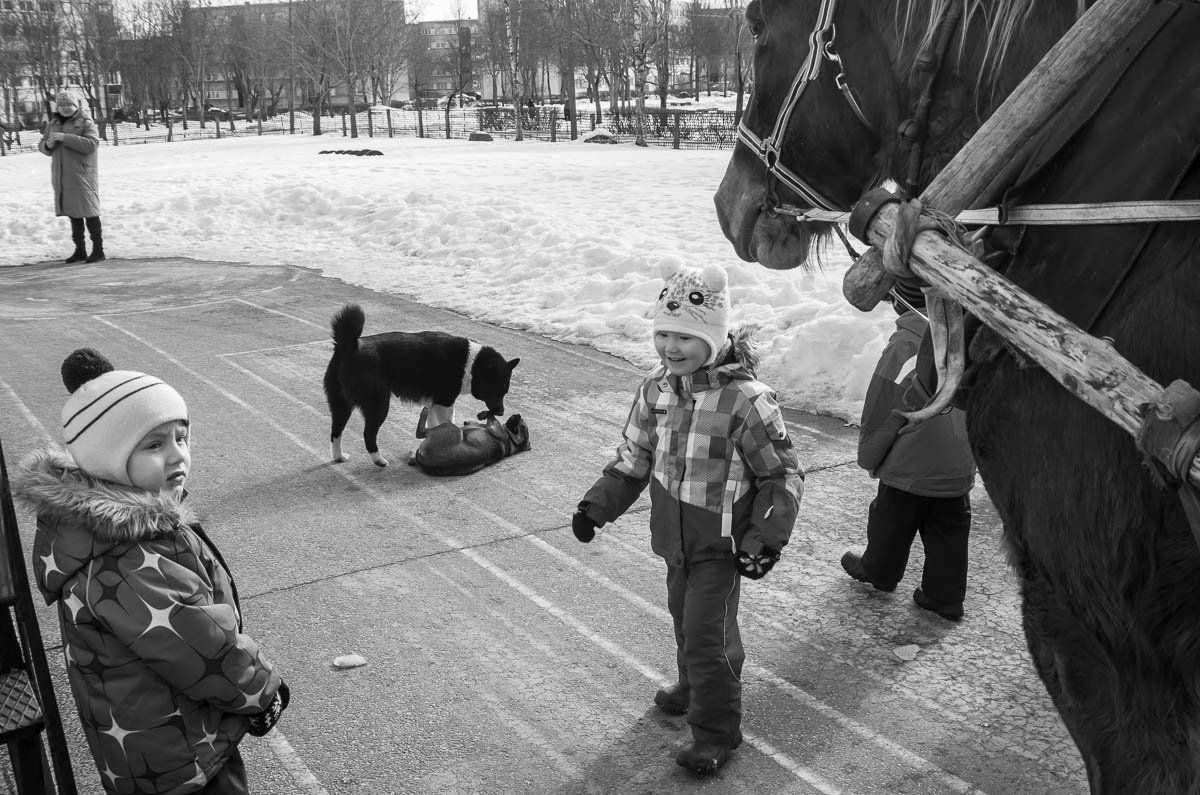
[93,228]
[674,699]
[707,757]
[80,253]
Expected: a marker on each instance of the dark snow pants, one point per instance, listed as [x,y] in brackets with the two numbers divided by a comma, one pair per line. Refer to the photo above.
[703,600]
[895,518]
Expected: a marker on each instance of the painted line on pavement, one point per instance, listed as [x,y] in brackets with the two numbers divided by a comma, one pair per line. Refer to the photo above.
[26,413]
[292,763]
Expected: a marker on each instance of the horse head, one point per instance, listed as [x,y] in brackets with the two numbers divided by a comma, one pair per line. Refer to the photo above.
[838,106]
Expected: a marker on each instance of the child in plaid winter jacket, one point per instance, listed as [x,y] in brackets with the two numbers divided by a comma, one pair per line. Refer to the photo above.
[725,485]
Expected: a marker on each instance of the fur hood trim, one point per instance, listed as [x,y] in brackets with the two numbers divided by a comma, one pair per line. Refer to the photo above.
[51,483]
[742,348]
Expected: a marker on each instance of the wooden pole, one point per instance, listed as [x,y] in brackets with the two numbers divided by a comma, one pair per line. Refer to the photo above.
[1088,367]
[1031,105]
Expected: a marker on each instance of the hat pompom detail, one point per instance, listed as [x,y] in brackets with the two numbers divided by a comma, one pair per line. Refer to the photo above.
[81,366]
[715,277]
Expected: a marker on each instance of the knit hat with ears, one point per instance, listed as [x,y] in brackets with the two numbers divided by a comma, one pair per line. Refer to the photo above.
[695,301]
[109,412]
[66,96]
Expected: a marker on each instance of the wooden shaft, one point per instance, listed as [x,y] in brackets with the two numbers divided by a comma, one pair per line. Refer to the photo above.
[1088,367]
[1039,96]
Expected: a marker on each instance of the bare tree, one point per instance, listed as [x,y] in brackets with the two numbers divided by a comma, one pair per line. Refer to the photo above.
[644,22]
[41,28]
[90,31]
[512,16]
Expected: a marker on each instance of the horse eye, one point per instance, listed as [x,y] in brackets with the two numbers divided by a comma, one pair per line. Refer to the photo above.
[696,297]
[754,19]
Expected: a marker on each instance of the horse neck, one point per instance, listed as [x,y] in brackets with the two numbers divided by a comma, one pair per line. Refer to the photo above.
[995,44]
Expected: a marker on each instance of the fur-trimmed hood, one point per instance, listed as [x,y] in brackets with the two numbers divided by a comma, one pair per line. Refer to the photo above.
[86,516]
[741,348]
[52,484]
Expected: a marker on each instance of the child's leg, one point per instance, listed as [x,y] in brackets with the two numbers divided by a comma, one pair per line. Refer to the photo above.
[892,523]
[712,651]
[677,581]
[230,779]
[944,534]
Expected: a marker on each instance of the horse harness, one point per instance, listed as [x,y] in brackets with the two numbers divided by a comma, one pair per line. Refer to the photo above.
[1170,433]
[821,48]
[913,131]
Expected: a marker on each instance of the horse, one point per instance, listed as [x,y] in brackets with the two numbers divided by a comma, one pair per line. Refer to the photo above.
[1108,570]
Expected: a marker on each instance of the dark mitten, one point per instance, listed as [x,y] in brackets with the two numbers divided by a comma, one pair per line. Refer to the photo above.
[755,567]
[582,525]
[264,721]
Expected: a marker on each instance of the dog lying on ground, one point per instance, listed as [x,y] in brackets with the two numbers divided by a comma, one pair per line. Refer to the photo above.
[450,449]
[429,368]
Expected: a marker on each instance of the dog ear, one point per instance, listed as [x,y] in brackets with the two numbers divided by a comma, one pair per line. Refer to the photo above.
[512,365]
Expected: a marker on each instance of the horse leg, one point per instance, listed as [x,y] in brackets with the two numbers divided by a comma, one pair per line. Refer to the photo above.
[1053,669]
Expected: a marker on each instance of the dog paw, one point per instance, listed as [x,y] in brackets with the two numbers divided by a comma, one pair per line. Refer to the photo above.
[379,460]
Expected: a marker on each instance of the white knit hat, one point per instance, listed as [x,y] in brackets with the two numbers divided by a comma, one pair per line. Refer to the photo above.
[66,96]
[695,301]
[109,412]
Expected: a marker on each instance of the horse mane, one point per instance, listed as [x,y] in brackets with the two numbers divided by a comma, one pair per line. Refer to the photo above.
[1002,22]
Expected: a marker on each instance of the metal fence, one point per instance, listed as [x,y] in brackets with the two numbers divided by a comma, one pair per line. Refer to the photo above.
[678,129]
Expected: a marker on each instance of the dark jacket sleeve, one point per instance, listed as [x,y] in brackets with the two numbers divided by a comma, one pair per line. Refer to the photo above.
[778,479]
[885,396]
[165,613]
[626,476]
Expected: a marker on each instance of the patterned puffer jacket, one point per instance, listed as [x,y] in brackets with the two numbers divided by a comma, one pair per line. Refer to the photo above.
[162,675]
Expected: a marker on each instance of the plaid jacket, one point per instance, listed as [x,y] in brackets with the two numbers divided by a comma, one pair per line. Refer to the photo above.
[722,472]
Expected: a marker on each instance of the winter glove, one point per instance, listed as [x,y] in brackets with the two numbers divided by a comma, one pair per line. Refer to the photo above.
[582,525]
[755,567]
[264,721]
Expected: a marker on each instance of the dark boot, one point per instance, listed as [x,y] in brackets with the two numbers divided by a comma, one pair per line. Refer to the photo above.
[674,699]
[853,565]
[704,757]
[950,612]
[80,253]
[93,228]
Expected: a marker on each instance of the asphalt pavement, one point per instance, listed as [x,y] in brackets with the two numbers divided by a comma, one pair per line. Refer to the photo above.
[503,656]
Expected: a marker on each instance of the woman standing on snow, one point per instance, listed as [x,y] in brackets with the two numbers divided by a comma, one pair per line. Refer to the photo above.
[71,140]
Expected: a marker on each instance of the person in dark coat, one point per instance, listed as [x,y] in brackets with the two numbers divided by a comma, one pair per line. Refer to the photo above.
[925,472]
[71,140]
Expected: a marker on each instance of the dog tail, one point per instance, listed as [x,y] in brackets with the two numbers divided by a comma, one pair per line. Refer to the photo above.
[347,327]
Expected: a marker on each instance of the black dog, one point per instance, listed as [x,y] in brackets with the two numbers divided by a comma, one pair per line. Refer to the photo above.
[427,367]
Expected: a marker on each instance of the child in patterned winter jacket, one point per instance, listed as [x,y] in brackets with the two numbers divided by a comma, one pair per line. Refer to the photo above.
[725,484]
[165,682]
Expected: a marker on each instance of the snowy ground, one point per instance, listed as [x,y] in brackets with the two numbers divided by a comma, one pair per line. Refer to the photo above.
[565,240]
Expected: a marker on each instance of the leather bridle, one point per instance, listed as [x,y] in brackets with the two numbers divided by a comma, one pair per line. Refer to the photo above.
[821,48]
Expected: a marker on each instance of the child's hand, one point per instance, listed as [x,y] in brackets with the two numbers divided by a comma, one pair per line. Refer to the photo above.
[755,567]
[582,525]
[264,721]
[54,137]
